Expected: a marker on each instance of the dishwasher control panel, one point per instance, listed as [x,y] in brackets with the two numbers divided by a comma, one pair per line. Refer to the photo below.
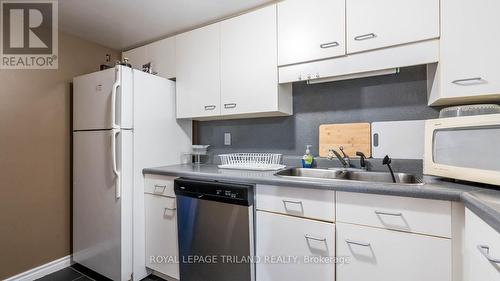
[230,193]
[241,194]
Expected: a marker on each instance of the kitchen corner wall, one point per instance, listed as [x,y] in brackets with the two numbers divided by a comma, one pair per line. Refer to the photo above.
[35,157]
[394,97]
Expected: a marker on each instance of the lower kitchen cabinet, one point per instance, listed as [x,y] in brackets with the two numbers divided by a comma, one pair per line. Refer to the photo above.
[385,255]
[287,237]
[309,203]
[482,250]
[161,234]
[417,215]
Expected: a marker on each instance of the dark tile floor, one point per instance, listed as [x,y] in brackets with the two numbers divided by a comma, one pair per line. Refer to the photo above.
[77,272]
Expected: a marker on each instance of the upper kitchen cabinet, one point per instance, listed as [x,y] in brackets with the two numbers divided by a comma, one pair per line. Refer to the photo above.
[136,57]
[249,70]
[470,42]
[161,55]
[310,30]
[374,24]
[380,36]
[198,72]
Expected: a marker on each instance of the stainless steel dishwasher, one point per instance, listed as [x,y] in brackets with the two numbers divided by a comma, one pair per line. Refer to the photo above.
[216,235]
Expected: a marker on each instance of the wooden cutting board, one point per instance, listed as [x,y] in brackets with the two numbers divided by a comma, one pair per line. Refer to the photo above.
[352,136]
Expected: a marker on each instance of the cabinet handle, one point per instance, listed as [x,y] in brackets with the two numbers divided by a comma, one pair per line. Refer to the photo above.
[397,214]
[163,187]
[365,36]
[329,45]
[309,237]
[209,107]
[229,105]
[485,250]
[170,209]
[291,202]
[364,244]
[461,82]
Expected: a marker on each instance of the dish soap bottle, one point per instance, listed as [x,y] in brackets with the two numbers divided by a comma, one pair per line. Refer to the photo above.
[308,158]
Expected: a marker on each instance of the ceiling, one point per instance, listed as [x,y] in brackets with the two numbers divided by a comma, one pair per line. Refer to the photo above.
[123,24]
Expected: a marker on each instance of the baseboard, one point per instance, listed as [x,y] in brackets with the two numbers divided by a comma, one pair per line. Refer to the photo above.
[42,270]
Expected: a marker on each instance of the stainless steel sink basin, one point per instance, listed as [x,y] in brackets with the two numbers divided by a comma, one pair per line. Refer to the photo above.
[350,175]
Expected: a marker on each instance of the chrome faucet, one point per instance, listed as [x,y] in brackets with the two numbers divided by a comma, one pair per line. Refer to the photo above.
[344,159]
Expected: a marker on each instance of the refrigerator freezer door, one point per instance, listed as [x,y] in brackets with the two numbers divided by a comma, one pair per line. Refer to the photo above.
[102,223]
[103,100]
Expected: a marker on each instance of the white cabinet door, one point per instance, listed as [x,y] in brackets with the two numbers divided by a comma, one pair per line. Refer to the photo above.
[161,234]
[482,250]
[285,236]
[373,24]
[198,72]
[310,30]
[249,71]
[136,57]
[469,49]
[379,254]
[161,54]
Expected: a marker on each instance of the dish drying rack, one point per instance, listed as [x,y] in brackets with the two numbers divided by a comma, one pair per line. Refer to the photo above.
[251,161]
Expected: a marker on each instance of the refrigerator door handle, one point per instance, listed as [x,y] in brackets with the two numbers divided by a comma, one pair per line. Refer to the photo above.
[113,99]
[115,132]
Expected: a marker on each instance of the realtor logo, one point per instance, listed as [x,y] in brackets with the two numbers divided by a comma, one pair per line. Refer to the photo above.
[28,35]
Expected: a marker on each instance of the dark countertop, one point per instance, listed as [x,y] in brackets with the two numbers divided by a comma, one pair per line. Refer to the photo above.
[483,202]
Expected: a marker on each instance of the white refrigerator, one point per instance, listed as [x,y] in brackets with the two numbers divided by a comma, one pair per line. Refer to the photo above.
[123,121]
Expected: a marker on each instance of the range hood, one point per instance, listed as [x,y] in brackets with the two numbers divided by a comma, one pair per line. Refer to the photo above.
[354,76]
[364,64]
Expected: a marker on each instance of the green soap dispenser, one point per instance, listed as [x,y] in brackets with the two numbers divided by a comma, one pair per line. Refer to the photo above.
[308,158]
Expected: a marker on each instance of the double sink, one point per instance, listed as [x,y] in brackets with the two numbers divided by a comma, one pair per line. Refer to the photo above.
[349,175]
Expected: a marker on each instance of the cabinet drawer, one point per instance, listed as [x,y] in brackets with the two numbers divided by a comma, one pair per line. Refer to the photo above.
[301,202]
[159,185]
[482,249]
[380,254]
[432,217]
[285,236]
[161,234]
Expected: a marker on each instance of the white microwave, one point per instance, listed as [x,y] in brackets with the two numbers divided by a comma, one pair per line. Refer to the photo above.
[464,148]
